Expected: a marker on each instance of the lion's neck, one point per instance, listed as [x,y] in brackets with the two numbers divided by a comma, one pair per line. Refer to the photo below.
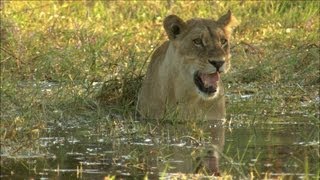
[171,66]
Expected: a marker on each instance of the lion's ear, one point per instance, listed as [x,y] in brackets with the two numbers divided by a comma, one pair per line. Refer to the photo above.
[173,26]
[228,21]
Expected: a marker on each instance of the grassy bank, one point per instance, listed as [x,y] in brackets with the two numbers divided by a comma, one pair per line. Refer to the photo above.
[68,60]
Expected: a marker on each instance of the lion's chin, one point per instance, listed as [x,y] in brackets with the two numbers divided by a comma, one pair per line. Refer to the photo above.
[206,84]
[208,97]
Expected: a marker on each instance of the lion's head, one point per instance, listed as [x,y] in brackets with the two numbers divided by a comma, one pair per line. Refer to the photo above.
[202,46]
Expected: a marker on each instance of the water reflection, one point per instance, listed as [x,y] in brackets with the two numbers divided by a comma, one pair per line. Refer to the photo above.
[77,150]
[209,162]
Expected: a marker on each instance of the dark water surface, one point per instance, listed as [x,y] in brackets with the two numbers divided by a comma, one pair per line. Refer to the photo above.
[79,151]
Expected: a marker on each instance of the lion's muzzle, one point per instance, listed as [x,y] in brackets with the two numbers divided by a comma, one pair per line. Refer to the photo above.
[217,64]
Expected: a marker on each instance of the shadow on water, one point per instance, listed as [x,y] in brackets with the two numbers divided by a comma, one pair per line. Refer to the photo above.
[287,146]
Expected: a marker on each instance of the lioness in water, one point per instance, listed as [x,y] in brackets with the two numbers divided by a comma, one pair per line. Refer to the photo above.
[184,72]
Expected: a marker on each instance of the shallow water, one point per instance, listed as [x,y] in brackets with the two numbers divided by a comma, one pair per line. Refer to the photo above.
[281,144]
[78,151]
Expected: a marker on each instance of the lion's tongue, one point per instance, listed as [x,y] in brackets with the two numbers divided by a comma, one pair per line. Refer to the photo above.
[210,79]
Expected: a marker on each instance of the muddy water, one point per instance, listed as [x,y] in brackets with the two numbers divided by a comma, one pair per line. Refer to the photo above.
[283,149]
[287,146]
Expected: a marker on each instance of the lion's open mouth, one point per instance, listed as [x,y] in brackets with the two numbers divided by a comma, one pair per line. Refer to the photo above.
[207,83]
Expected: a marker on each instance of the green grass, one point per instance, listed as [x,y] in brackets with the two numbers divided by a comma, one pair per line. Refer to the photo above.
[75,45]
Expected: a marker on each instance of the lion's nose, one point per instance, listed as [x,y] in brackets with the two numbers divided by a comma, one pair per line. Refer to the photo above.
[217,64]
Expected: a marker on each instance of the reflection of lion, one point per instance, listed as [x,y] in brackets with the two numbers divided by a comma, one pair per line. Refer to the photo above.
[184,72]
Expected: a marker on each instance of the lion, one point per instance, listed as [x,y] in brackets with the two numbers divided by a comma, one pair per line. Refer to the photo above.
[184,74]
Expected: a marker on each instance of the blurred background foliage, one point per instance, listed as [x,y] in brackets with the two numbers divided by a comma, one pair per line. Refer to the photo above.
[93,40]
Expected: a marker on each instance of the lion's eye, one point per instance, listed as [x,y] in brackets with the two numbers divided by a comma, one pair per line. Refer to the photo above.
[197,42]
[223,42]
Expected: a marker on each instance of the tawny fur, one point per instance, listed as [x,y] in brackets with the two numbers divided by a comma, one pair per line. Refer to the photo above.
[169,84]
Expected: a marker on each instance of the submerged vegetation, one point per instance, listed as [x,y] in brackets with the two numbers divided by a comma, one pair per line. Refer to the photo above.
[81,64]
